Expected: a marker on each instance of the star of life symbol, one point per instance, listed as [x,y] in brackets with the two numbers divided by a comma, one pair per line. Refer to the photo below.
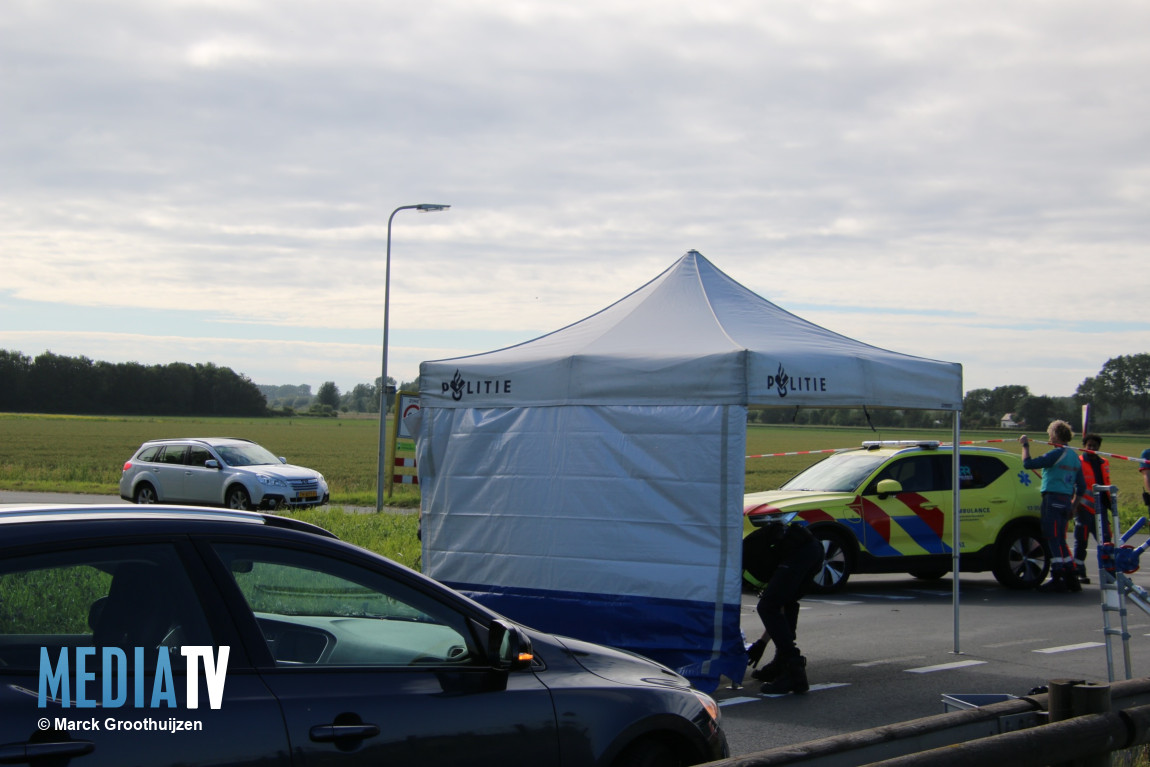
[1024,478]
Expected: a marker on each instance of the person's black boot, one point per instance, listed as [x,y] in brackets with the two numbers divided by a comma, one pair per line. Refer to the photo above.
[1056,585]
[792,678]
[1070,578]
[769,671]
[1080,571]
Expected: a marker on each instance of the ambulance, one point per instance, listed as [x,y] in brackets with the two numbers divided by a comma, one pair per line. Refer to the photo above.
[888,508]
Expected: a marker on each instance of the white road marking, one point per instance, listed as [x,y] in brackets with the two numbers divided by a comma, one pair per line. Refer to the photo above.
[1070,647]
[736,701]
[884,661]
[944,666]
[1017,642]
[814,688]
[834,602]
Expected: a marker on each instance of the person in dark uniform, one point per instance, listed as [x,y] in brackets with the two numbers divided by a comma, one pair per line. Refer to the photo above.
[786,558]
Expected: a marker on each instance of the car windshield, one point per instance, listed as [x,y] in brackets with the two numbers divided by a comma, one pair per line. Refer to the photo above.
[840,473]
[245,455]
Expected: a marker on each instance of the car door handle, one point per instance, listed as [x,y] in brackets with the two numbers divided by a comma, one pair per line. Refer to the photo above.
[327,733]
[24,753]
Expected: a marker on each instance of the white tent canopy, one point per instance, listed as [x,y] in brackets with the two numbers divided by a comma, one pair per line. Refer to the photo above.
[590,482]
[693,335]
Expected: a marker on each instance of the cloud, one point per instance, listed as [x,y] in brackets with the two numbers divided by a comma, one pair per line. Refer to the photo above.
[979,165]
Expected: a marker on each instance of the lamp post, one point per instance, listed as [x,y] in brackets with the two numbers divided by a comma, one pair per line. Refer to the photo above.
[426,208]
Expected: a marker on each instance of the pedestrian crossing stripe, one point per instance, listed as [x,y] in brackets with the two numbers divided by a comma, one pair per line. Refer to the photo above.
[944,666]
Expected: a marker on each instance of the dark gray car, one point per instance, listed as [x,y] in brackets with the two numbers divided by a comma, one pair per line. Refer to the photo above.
[162,636]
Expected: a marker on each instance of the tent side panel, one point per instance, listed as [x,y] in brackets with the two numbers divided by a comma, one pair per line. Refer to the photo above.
[632,508]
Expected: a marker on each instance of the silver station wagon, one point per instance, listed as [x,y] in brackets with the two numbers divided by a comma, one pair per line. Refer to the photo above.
[218,471]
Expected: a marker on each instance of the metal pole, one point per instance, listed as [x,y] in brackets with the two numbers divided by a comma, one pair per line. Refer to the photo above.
[380,476]
[956,535]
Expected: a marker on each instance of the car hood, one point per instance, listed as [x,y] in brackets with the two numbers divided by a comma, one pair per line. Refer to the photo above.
[615,665]
[281,470]
[784,501]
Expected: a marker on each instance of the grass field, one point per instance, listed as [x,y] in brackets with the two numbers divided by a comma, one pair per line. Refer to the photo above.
[85,455]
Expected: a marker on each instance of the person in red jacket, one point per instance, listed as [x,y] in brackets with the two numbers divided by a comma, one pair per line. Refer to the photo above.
[1144,467]
[1096,471]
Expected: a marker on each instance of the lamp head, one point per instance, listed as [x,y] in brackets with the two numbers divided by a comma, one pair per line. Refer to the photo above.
[429,207]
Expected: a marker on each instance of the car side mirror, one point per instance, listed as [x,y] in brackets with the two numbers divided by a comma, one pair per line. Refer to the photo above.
[282,459]
[508,647]
[211,463]
[888,487]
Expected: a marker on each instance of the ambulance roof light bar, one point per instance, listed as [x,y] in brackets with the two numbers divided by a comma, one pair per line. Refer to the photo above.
[927,444]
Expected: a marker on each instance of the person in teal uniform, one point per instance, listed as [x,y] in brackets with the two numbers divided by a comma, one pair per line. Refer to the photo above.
[1062,485]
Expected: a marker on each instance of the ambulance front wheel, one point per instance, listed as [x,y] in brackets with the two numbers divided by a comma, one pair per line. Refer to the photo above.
[1021,558]
[838,561]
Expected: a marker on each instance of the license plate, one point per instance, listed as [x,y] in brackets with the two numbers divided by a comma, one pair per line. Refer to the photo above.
[308,494]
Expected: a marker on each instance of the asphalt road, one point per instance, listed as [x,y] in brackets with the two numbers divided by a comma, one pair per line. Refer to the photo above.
[883,650]
[10,497]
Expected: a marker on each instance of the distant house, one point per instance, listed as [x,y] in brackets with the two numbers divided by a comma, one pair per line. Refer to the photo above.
[1008,422]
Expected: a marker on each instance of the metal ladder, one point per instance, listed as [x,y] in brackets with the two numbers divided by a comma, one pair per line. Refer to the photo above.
[1115,560]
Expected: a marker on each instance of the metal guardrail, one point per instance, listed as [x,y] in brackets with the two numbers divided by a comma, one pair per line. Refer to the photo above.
[1018,732]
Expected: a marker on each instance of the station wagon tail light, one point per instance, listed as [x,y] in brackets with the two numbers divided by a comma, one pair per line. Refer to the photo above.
[127,465]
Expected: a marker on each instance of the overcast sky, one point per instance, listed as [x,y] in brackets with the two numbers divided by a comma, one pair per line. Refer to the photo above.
[211,180]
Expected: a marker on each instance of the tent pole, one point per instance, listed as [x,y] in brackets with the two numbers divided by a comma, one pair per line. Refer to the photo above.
[956,519]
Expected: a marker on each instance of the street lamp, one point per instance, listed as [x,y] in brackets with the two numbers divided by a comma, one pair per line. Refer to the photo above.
[426,208]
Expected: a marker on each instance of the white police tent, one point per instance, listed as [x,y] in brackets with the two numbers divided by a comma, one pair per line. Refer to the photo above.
[590,482]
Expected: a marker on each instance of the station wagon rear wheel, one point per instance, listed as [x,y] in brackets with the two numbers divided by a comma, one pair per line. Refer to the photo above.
[145,493]
[838,562]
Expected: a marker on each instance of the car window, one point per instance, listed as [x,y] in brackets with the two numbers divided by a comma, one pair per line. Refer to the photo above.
[316,610]
[915,473]
[149,454]
[923,473]
[246,455]
[173,454]
[978,471]
[197,455]
[840,473]
[123,596]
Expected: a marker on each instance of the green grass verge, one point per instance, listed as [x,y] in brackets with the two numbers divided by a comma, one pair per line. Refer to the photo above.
[393,535]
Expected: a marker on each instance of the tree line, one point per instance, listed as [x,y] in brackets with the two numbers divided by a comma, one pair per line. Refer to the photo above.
[1119,396]
[53,383]
[328,400]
